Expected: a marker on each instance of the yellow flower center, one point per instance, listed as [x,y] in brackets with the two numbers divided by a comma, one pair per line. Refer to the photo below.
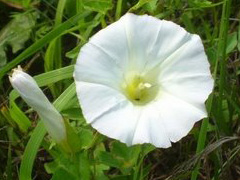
[139,90]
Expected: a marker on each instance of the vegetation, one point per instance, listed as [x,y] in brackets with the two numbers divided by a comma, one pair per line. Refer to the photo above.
[45,36]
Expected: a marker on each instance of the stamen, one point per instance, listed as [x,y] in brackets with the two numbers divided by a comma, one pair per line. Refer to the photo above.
[139,90]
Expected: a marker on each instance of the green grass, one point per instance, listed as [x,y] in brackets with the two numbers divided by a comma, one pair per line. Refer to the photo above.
[55,33]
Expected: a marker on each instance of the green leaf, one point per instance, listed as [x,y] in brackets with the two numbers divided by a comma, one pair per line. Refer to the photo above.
[20,3]
[124,157]
[151,6]
[16,33]
[109,159]
[121,150]
[85,137]
[101,6]
[54,76]
[6,117]
[73,53]
[231,42]
[31,152]
[56,32]
[147,148]
[51,167]
[100,172]
[61,161]
[129,154]
[84,166]
[73,113]
[63,174]
[20,29]
[72,137]
[3,57]
[42,31]
[140,4]
[199,4]
[202,3]
[19,117]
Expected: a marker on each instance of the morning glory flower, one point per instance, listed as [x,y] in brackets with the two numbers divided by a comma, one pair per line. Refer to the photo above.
[143,80]
[28,89]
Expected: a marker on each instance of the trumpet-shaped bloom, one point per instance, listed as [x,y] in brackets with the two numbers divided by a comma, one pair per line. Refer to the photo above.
[143,80]
[28,89]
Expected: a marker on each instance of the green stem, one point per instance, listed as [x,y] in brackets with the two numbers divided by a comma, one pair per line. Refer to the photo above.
[138,171]
[118,9]
[221,55]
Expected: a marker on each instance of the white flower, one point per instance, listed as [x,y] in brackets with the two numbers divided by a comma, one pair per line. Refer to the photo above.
[143,80]
[28,89]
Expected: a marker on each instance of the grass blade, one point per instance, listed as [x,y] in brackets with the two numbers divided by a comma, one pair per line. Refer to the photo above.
[223,36]
[31,152]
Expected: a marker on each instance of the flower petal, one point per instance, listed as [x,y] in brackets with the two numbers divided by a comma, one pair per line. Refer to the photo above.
[103,59]
[177,115]
[186,74]
[151,41]
[112,114]
[150,128]
[97,99]
[134,43]
[108,111]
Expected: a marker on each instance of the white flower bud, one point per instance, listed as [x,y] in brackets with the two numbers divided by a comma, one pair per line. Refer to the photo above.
[28,89]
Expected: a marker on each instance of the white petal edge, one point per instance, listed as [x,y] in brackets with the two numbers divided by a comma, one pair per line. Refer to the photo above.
[177,115]
[186,74]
